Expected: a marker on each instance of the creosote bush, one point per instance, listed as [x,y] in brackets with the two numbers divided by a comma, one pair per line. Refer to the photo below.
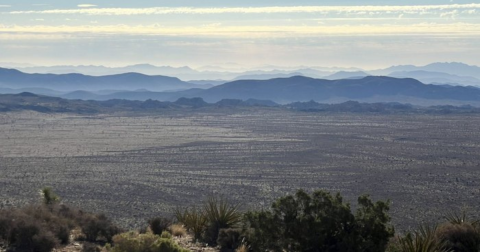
[44,227]
[319,222]
[98,227]
[32,228]
[229,238]
[159,224]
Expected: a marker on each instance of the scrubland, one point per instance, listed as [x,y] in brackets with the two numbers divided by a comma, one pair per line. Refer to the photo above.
[133,167]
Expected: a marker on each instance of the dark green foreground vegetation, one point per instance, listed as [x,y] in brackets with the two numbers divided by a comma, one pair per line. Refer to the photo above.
[306,222]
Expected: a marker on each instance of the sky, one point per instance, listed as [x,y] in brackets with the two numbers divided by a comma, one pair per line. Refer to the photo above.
[365,34]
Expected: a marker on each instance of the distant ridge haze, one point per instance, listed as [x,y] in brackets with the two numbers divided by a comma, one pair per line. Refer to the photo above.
[356,85]
[299,88]
[222,75]
[11,78]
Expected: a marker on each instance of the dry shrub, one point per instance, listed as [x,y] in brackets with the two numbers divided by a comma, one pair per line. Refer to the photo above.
[178,230]
[59,226]
[90,247]
[242,248]
[35,228]
[25,232]
[135,242]
[97,227]
[461,237]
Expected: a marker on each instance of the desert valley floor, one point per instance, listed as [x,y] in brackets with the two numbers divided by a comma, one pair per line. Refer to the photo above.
[133,167]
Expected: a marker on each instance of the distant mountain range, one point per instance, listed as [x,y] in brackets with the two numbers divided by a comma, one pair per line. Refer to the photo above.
[343,86]
[46,104]
[437,78]
[299,88]
[346,75]
[14,79]
[453,68]
[370,88]
[457,73]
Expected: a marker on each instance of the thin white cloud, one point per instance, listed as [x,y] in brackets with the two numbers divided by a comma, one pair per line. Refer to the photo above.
[86,5]
[453,29]
[413,9]
[5,6]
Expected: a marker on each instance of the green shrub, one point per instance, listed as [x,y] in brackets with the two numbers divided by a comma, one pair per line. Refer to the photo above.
[159,224]
[168,245]
[135,242]
[394,245]
[29,234]
[44,242]
[98,226]
[319,222]
[166,234]
[57,225]
[35,228]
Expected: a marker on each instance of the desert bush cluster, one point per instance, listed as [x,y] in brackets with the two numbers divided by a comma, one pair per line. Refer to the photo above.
[43,227]
[303,222]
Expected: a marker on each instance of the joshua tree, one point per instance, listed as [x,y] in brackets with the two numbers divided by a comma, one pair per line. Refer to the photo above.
[48,196]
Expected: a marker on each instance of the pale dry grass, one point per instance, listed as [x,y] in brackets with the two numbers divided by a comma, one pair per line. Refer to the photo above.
[242,248]
[177,230]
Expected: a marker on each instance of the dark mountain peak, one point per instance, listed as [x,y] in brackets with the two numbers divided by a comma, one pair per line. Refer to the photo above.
[26,94]
[300,77]
[14,79]
[9,71]
[130,74]
[300,88]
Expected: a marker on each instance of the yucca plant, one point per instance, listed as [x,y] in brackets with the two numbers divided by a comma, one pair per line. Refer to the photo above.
[49,197]
[423,240]
[456,219]
[194,220]
[220,214]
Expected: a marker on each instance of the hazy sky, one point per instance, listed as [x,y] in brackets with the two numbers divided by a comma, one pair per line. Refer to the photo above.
[366,34]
